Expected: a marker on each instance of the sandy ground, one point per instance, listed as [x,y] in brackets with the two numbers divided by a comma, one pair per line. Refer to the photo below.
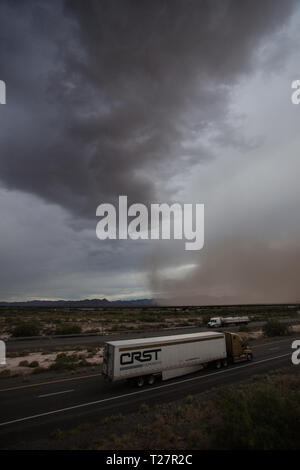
[255,334]
[258,334]
[45,360]
[296,328]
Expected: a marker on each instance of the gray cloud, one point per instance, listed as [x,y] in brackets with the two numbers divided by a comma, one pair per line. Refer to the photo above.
[110,90]
[120,97]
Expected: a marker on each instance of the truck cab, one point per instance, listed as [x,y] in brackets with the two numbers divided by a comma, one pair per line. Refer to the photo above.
[214,322]
[237,348]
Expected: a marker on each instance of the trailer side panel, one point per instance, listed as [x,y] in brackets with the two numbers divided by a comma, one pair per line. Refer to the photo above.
[182,354]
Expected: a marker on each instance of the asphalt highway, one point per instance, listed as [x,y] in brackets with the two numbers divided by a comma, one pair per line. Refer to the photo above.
[34,410]
[51,343]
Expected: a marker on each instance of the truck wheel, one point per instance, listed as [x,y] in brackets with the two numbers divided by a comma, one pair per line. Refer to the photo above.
[140,382]
[225,363]
[218,364]
[249,357]
[151,379]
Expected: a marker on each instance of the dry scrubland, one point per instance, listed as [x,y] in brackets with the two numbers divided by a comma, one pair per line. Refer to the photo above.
[26,321]
[27,363]
[72,321]
[20,322]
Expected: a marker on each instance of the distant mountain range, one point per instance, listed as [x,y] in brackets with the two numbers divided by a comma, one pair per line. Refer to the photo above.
[85,303]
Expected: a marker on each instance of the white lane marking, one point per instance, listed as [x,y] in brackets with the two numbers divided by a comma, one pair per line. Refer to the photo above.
[232,369]
[55,393]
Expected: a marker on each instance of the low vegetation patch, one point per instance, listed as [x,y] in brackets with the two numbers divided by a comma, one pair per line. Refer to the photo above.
[65,361]
[5,373]
[262,415]
[68,330]
[26,329]
[274,327]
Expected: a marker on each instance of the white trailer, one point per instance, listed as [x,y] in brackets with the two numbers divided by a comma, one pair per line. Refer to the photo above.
[224,321]
[165,356]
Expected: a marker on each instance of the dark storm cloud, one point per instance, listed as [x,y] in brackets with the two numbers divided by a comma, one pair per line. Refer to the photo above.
[102,94]
[133,97]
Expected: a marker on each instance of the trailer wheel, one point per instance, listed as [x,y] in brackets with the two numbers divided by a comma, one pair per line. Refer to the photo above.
[218,364]
[249,357]
[151,379]
[225,363]
[140,382]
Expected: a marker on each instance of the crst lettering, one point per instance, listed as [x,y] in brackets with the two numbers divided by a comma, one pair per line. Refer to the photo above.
[125,361]
[139,356]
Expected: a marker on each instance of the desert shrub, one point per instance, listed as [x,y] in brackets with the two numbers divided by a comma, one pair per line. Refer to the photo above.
[83,363]
[23,364]
[26,329]
[64,362]
[33,364]
[5,373]
[261,419]
[144,408]
[57,434]
[112,419]
[275,328]
[69,362]
[68,330]
[150,317]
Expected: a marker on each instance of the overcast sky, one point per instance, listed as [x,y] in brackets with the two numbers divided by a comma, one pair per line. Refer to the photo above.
[162,101]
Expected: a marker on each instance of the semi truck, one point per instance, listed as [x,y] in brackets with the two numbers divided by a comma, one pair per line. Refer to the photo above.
[145,360]
[216,322]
